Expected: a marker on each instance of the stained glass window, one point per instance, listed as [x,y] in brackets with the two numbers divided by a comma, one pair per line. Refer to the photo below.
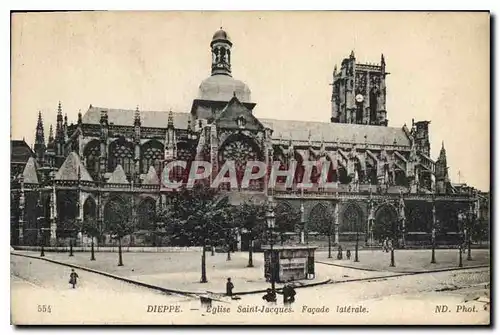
[121,153]
[152,155]
[92,153]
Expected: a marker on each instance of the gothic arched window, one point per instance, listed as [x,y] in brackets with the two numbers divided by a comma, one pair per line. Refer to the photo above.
[352,219]
[92,154]
[152,155]
[121,153]
[185,153]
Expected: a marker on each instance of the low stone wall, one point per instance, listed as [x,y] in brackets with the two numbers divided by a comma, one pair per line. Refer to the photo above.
[110,249]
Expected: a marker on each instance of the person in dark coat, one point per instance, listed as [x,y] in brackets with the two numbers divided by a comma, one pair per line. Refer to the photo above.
[288,295]
[339,254]
[269,296]
[348,254]
[291,294]
[72,277]
[229,287]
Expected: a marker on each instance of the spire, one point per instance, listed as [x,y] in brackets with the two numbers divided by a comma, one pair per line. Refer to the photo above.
[39,146]
[352,54]
[441,164]
[59,123]
[382,60]
[40,136]
[51,135]
[442,153]
[80,116]
[65,127]
[170,119]
[137,117]
[334,71]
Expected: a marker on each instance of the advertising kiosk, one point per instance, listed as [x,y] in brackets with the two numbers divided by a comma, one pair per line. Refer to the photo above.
[289,262]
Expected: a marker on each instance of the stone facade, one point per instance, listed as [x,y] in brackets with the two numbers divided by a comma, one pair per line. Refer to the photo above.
[113,158]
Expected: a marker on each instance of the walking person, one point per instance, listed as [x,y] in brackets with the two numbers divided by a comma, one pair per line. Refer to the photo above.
[72,277]
[229,287]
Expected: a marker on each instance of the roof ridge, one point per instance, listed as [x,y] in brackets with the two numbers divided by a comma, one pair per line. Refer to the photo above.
[133,110]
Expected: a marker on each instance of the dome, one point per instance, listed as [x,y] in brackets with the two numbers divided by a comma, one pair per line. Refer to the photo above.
[223,88]
[220,35]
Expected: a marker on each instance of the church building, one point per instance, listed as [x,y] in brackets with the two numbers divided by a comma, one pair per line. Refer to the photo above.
[110,158]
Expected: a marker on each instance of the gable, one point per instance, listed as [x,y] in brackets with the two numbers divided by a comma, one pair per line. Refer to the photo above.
[71,167]
[29,174]
[118,176]
[237,116]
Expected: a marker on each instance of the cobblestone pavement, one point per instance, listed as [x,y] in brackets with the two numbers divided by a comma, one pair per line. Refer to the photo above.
[407,260]
[408,299]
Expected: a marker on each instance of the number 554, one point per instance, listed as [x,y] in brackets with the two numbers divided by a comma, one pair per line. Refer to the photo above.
[44,309]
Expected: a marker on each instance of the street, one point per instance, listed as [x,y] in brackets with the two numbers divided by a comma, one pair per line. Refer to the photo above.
[407,299]
[96,300]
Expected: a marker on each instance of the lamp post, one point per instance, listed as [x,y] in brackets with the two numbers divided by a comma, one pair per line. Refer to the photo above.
[460,244]
[42,241]
[433,258]
[303,237]
[471,220]
[356,259]
[92,254]
[271,220]
[392,245]
[392,254]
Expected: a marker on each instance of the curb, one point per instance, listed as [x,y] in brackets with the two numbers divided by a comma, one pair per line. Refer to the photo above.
[406,272]
[106,274]
[154,287]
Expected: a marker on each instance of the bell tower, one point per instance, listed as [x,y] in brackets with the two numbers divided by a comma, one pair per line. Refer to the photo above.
[221,53]
[359,93]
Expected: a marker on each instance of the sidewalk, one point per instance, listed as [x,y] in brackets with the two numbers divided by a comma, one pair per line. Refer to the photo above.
[407,261]
[181,273]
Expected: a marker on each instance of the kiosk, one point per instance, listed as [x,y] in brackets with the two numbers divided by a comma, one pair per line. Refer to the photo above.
[290,262]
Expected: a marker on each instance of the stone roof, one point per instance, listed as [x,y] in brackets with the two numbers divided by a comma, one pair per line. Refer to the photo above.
[125,117]
[69,169]
[118,176]
[151,177]
[29,174]
[20,151]
[219,87]
[336,132]
[282,129]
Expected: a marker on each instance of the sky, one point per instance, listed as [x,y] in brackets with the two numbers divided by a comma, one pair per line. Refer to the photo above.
[439,65]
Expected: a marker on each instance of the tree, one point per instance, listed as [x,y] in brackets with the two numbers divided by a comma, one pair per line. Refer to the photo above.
[196,217]
[481,230]
[69,228]
[287,219]
[251,216]
[91,228]
[322,221]
[119,224]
